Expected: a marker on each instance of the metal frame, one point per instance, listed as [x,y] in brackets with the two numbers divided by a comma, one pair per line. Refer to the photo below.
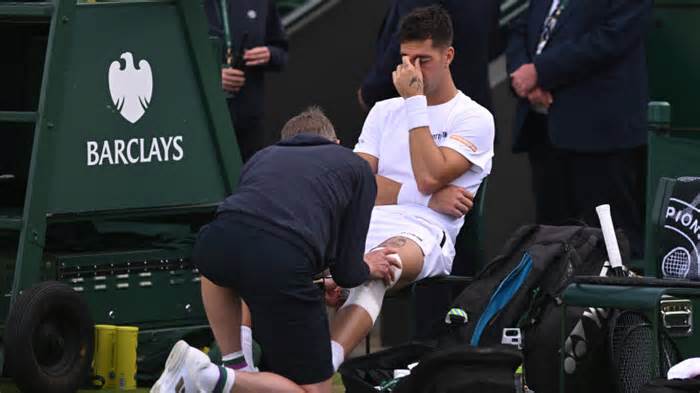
[638,298]
[32,235]
[30,266]
[476,240]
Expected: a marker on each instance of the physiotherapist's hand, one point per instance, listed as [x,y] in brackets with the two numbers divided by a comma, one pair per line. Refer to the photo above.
[232,79]
[452,200]
[380,262]
[333,294]
[408,78]
[541,98]
[257,56]
[524,79]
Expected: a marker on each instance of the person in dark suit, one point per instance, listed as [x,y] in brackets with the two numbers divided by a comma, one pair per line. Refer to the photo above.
[579,69]
[256,31]
[474,21]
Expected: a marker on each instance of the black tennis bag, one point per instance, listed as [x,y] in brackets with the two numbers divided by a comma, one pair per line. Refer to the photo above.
[453,370]
[521,289]
[363,373]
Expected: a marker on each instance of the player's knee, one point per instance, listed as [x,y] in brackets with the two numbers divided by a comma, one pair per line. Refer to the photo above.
[370,295]
[397,271]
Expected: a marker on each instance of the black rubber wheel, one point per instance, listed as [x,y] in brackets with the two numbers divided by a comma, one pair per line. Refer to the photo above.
[49,338]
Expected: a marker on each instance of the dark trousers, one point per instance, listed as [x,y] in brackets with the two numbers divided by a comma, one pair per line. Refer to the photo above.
[249,135]
[275,278]
[568,185]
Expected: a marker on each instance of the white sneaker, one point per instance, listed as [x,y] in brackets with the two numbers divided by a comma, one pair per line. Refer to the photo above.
[181,369]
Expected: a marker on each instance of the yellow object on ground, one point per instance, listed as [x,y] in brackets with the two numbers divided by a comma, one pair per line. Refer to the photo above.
[105,336]
[125,357]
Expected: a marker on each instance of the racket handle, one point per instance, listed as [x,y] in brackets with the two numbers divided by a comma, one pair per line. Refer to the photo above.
[606,225]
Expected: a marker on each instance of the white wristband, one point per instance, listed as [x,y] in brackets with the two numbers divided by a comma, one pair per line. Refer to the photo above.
[416,108]
[409,194]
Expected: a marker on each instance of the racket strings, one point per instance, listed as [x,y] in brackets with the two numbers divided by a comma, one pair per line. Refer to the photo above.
[676,263]
[632,351]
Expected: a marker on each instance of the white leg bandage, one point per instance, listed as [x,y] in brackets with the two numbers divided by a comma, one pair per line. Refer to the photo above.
[370,295]
[337,354]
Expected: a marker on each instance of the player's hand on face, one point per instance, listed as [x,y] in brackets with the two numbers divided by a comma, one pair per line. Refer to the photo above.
[257,56]
[380,262]
[452,200]
[232,79]
[408,78]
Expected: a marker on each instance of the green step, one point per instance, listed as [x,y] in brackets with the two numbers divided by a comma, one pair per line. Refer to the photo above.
[11,223]
[44,8]
[17,117]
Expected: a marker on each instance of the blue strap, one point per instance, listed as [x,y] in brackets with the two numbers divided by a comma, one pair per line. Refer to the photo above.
[502,296]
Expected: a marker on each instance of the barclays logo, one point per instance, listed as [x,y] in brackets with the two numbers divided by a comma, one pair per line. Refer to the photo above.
[130,87]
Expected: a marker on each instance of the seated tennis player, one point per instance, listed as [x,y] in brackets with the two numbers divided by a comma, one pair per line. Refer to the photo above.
[429,149]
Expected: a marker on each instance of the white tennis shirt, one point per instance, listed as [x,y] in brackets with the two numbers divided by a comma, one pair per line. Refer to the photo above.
[459,124]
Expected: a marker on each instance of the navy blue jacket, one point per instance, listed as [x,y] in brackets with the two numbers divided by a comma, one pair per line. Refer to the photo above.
[474,23]
[314,193]
[595,66]
[264,27]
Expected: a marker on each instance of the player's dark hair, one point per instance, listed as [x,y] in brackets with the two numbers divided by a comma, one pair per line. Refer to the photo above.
[426,23]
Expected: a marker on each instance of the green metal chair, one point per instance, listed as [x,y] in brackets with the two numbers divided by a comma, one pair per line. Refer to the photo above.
[447,287]
[657,298]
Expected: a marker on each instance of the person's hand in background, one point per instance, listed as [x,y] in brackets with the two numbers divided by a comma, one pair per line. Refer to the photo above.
[232,79]
[257,56]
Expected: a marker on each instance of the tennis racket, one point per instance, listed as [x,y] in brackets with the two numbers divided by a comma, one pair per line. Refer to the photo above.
[606,225]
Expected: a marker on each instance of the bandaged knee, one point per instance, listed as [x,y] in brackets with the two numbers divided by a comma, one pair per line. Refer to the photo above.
[370,295]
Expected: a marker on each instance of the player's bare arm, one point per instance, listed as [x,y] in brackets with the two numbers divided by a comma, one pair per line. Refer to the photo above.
[450,200]
[387,189]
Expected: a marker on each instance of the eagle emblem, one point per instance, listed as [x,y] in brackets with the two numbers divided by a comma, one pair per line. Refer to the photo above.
[131,88]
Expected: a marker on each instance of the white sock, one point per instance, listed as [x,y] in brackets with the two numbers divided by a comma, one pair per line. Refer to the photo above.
[337,354]
[210,376]
[247,347]
[232,356]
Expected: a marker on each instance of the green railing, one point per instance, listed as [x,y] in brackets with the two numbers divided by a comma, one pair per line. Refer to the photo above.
[287,6]
[292,10]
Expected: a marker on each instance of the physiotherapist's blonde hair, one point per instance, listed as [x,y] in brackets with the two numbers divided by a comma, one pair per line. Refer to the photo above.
[310,121]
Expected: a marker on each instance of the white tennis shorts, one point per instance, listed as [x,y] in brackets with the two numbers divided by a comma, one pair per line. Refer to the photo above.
[435,243]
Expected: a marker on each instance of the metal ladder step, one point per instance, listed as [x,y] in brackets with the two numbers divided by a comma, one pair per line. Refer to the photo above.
[44,8]
[17,117]
[11,223]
